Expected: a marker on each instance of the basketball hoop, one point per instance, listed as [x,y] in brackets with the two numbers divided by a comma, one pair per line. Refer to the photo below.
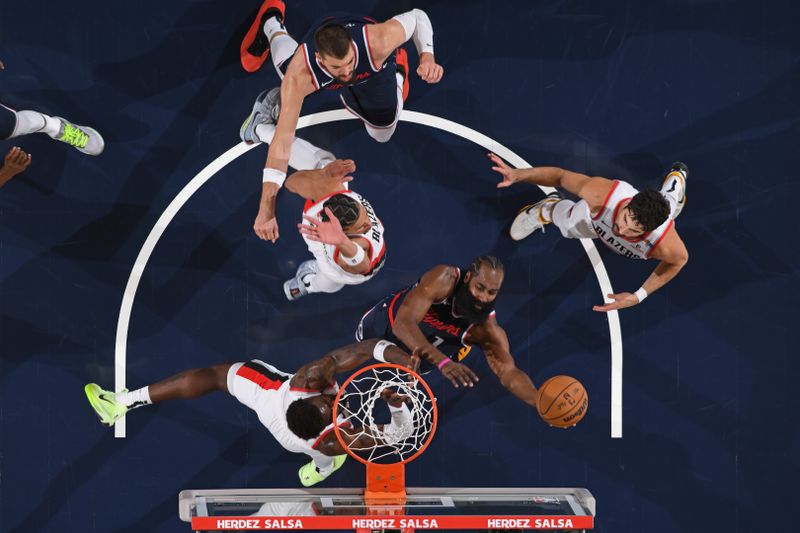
[385,448]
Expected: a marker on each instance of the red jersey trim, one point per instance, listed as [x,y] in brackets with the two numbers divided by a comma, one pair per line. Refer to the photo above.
[259,379]
[391,307]
[308,67]
[669,226]
[369,49]
[605,202]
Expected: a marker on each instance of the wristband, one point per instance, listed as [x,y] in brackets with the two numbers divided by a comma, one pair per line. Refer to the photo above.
[356,259]
[641,294]
[443,362]
[380,347]
[275,176]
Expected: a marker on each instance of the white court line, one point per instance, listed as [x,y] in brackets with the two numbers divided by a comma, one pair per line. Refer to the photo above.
[324,117]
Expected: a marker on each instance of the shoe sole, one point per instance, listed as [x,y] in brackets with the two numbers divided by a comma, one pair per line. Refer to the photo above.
[251,63]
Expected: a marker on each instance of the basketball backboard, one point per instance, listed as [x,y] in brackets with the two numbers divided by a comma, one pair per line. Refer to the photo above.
[554,509]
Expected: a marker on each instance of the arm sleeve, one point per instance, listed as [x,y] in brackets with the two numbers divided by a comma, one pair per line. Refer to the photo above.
[418,26]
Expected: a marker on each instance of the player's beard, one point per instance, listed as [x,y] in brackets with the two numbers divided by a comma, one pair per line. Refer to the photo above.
[347,81]
[469,307]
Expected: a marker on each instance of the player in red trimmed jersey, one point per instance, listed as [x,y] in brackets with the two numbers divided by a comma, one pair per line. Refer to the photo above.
[634,224]
[297,409]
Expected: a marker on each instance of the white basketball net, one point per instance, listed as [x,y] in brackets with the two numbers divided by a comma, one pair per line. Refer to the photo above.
[357,405]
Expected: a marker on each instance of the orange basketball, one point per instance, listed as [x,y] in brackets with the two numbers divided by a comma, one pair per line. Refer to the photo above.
[562,401]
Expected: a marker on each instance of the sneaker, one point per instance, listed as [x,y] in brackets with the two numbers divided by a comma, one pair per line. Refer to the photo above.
[402,68]
[674,186]
[105,404]
[255,46]
[531,217]
[297,287]
[84,138]
[310,475]
[266,109]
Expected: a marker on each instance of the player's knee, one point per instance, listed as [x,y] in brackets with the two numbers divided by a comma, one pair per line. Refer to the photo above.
[381,135]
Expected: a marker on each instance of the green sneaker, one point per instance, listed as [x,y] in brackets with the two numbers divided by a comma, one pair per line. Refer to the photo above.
[84,138]
[104,404]
[309,475]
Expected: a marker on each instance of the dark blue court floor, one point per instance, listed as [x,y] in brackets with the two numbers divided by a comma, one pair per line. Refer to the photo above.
[616,88]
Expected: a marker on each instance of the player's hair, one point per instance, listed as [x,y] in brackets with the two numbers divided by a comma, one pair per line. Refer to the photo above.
[332,40]
[304,419]
[649,209]
[344,208]
[489,261]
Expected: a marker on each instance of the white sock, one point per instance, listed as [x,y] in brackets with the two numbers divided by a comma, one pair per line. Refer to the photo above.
[134,399]
[281,48]
[319,283]
[304,156]
[273,26]
[35,122]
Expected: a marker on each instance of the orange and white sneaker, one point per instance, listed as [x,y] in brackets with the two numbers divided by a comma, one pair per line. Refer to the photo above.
[532,217]
[674,186]
[255,45]
[402,68]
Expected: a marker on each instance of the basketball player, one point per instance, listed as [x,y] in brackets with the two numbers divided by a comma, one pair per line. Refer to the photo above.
[634,224]
[351,54]
[339,226]
[295,408]
[17,123]
[443,315]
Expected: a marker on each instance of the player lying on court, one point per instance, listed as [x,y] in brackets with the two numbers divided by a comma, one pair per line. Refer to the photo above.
[634,224]
[24,122]
[339,226]
[351,54]
[443,315]
[297,409]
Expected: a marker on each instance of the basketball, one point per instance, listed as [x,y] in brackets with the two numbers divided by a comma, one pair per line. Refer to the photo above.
[562,401]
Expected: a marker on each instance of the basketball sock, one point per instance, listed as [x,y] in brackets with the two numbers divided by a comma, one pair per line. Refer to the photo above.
[319,283]
[134,399]
[35,122]
[304,155]
[282,47]
[272,26]
[559,213]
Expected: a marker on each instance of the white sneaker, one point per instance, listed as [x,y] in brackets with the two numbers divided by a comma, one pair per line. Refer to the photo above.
[674,186]
[531,217]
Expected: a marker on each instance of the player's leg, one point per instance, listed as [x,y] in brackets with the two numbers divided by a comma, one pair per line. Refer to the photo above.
[83,138]
[574,219]
[379,102]
[309,280]
[266,34]
[319,468]
[259,126]
[8,122]
[674,187]
[189,384]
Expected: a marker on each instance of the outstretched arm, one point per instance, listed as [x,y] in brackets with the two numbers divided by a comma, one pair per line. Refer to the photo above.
[384,38]
[673,256]
[593,190]
[318,375]
[295,87]
[493,340]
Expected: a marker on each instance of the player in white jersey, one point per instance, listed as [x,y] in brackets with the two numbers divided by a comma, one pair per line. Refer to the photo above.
[634,224]
[297,409]
[339,226]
